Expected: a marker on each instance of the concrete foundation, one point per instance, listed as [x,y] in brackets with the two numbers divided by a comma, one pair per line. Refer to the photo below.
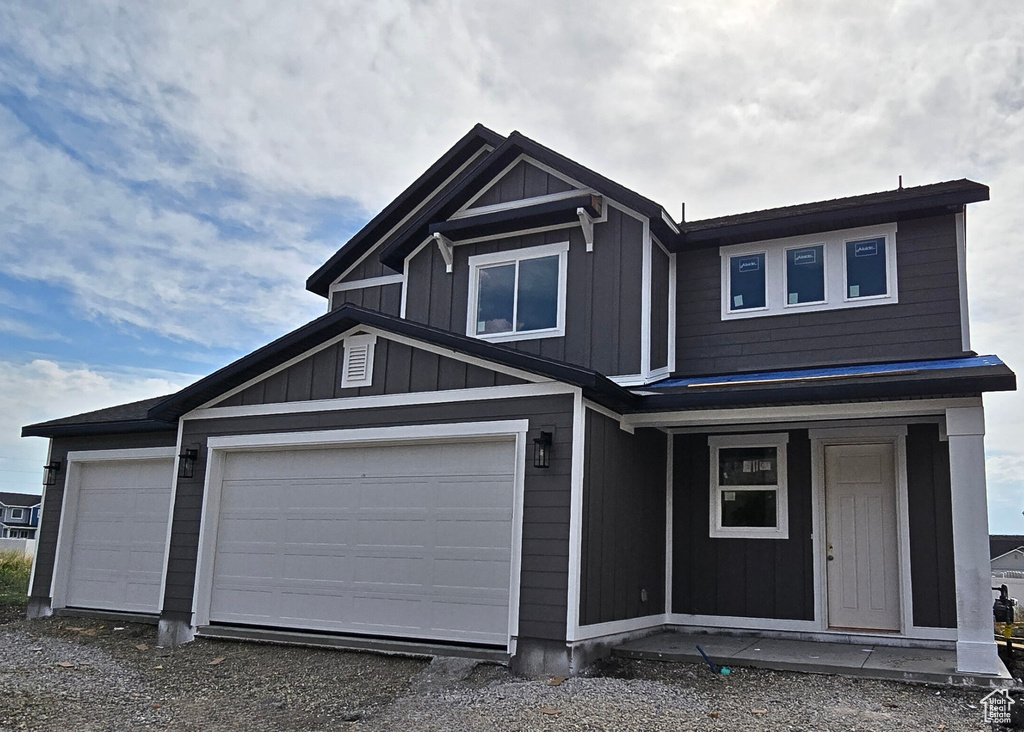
[38,607]
[172,633]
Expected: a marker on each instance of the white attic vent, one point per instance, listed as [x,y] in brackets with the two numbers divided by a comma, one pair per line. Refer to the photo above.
[357,364]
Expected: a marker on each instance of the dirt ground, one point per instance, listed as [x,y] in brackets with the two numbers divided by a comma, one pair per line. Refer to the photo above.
[74,674]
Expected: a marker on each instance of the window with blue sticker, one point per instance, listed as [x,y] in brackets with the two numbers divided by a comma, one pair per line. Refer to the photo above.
[805,275]
[866,268]
[746,282]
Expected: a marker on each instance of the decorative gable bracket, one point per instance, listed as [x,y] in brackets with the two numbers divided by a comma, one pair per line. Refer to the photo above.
[446,247]
[587,222]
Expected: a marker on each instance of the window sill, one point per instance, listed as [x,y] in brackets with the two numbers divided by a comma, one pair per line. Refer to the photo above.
[751,533]
[531,335]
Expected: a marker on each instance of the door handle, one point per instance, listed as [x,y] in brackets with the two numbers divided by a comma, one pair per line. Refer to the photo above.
[829,556]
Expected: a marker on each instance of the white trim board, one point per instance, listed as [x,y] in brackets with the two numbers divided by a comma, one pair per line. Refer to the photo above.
[961,268]
[712,418]
[447,396]
[387,335]
[579,432]
[464,213]
[217,447]
[395,279]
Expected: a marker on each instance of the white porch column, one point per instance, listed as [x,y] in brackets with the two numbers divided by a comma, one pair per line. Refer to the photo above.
[975,646]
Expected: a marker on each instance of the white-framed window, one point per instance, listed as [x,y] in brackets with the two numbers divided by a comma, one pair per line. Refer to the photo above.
[518,295]
[749,498]
[17,514]
[828,271]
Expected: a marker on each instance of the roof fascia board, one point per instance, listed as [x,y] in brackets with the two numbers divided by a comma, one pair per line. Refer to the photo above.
[320,280]
[784,226]
[85,429]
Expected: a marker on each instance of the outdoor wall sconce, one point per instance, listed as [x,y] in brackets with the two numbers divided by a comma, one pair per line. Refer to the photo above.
[187,461]
[50,472]
[542,450]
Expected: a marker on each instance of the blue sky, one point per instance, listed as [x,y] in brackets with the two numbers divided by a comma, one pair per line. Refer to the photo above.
[171,173]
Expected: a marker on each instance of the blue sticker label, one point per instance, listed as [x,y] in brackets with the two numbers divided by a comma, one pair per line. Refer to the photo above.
[805,256]
[749,264]
[865,248]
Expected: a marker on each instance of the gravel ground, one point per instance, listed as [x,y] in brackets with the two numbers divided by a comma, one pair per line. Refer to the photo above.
[72,674]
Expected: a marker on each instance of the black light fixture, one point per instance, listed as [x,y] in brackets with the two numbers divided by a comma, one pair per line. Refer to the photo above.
[50,472]
[542,450]
[187,462]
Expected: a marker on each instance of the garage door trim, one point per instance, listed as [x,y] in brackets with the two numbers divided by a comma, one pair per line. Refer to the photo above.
[69,511]
[219,447]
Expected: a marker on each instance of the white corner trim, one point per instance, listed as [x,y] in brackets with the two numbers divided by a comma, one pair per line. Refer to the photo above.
[669,523]
[444,244]
[39,524]
[645,300]
[395,279]
[579,430]
[961,268]
[447,396]
[170,524]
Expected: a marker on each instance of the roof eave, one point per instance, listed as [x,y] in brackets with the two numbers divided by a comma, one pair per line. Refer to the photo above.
[85,429]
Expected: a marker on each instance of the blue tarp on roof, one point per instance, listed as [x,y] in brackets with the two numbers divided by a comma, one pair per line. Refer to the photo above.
[879,369]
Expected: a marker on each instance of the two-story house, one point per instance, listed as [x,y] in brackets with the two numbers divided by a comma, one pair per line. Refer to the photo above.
[19,515]
[541,416]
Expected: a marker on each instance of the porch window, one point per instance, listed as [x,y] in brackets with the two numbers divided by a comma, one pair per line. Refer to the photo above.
[748,486]
[519,294]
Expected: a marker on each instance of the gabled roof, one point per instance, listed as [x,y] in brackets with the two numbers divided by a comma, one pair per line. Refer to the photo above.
[838,213]
[412,234]
[20,500]
[407,201]
[1000,544]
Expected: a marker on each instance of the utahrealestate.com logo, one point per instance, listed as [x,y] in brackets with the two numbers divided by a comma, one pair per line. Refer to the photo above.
[997,705]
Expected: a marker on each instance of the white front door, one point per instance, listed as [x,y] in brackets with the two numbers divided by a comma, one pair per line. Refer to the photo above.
[862,557]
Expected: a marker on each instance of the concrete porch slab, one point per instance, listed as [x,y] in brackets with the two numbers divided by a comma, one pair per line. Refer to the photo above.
[918,665]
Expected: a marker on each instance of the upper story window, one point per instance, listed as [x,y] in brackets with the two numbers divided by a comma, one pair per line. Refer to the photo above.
[17,514]
[519,294]
[837,269]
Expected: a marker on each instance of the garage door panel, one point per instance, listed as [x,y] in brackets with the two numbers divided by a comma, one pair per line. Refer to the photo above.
[409,540]
[119,532]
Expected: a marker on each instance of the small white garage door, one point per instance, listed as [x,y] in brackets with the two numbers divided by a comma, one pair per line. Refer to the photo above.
[120,531]
[410,540]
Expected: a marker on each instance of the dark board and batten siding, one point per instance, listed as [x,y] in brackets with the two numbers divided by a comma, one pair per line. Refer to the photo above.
[397,369]
[623,522]
[522,181]
[46,548]
[930,509]
[924,324]
[386,299]
[603,314]
[545,549]
[753,578]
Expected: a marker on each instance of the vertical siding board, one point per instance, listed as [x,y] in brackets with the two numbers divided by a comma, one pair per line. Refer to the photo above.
[324,364]
[924,324]
[417,296]
[391,300]
[740,577]
[424,367]
[630,285]
[276,388]
[300,381]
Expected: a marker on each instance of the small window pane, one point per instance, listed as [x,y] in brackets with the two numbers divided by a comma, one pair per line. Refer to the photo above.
[748,466]
[538,294]
[495,299]
[865,268]
[746,279]
[749,509]
[805,275]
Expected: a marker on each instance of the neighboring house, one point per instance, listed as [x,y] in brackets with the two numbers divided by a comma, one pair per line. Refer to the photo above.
[541,416]
[1000,544]
[1008,569]
[19,515]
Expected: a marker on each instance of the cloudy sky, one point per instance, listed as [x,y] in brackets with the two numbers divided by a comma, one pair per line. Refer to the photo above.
[170,173]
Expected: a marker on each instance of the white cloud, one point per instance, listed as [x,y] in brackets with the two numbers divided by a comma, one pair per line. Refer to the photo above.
[42,390]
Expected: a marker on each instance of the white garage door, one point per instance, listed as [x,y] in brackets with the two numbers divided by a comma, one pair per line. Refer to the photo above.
[409,540]
[120,530]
